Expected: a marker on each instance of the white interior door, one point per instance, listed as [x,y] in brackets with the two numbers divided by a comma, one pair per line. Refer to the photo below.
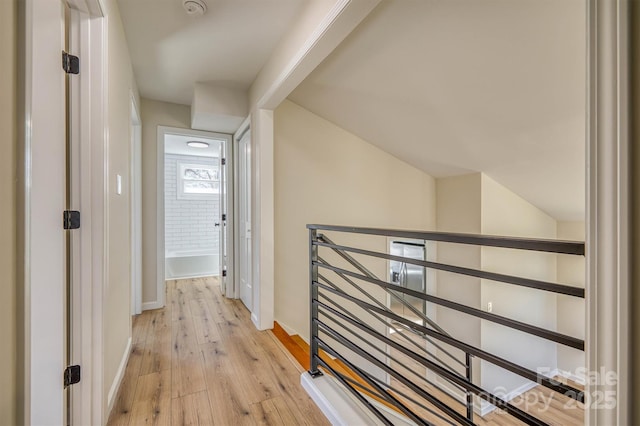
[244,201]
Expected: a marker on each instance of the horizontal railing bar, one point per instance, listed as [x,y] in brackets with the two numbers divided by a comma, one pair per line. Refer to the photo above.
[493,359]
[359,266]
[402,394]
[391,325]
[507,322]
[509,279]
[422,316]
[498,402]
[355,393]
[391,357]
[364,376]
[544,245]
[418,390]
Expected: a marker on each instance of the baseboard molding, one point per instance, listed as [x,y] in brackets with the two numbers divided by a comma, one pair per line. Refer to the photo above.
[340,408]
[254,320]
[487,408]
[290,331]
[115,386]
[147,306]
[569,375]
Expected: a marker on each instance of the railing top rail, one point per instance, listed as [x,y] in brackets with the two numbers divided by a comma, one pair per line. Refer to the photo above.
[543,245]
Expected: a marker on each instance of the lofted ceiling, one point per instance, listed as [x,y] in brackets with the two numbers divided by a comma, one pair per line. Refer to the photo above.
[228,45]
[459,86]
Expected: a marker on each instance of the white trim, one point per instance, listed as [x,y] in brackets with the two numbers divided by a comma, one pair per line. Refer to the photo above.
[342,409]
[160,243]
[234,291]
[608,265]
[99,66]
[117,380]
[44,188]
[265,95]
[147,306]
[135,203]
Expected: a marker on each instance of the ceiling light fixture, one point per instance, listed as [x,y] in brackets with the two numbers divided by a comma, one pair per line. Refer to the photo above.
[194,7]
[198,144]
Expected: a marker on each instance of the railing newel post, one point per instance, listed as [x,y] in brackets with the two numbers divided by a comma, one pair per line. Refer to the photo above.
[313,307]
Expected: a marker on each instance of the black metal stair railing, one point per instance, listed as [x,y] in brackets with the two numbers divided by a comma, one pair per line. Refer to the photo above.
[394,360]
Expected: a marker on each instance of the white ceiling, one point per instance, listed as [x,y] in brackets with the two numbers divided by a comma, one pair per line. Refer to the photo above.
[177,144]
[228,46]
[458,86]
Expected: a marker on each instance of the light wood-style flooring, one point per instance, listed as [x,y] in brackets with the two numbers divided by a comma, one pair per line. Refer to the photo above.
[200,361]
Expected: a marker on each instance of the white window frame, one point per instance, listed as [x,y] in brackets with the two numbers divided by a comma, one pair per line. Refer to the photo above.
[180,180]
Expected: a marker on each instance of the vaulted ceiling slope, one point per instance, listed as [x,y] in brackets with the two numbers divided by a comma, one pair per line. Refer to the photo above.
[457,86]
[227,46]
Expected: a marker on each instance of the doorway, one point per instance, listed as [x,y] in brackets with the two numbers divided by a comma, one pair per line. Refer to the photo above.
[193,208]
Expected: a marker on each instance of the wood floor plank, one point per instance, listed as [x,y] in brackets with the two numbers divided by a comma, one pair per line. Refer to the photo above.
[157,352]
[140,324]
[121,411]
[192,410]
[186,360]
[273,412]
[151,412]
[227,397]
[206,328]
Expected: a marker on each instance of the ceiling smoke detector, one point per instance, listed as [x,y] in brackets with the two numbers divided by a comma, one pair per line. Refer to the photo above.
[194,7]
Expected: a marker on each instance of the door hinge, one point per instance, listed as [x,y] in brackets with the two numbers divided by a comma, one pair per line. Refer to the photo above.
[224,161]
[71,219]
[71,375]
[224,272]
[224,216]
[70,63]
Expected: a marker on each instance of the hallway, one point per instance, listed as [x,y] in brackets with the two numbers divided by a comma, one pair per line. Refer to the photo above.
[200,361]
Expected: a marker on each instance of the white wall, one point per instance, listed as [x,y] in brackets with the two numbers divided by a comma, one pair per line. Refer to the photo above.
[458,210]
[324,174]
[154,114]
[117,314]
[571,310]
[507,214]
[8,309]
[189,224]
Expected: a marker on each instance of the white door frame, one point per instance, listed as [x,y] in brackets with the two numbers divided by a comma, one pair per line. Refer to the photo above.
[608,207]
[242,167]
[136,207]
[234,292]
[160,227]
[41,195]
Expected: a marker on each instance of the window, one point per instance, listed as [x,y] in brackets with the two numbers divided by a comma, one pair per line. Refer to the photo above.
[197,181]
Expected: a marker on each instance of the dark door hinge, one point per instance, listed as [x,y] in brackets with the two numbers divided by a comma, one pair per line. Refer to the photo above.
[224,216]
[71,375]
[70,63]
[224,273]
[71,219]
[224,161]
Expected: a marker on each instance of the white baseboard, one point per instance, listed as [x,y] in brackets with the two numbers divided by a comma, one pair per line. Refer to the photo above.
[254,320]
[339,407]
[290,331]
[147,306]
[486,408]
[113,391]
[569,375]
